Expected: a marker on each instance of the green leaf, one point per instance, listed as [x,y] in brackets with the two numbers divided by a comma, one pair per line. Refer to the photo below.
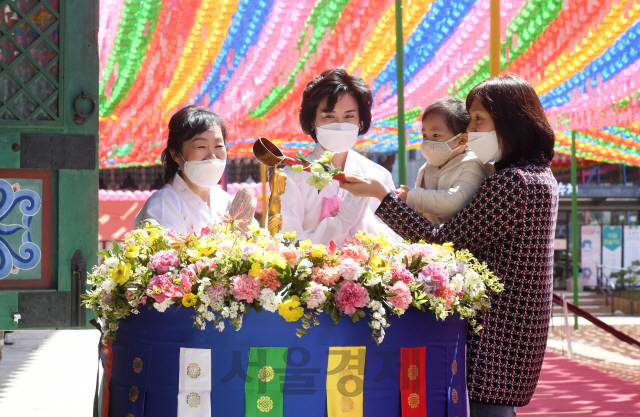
[256,307]
[354,317]
[302,158]
[116,247]
[329,295]
[390,294]
[335,315]
[360,312]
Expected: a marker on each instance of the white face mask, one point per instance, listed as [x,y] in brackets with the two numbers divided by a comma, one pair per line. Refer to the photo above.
[337,137]
[438,153]
[205,173]
[485,145]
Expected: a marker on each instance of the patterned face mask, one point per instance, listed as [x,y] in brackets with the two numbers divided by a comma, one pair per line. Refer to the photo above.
[438,153]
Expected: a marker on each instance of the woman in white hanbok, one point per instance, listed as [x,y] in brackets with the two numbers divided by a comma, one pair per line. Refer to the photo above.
[335,110]
[194,161]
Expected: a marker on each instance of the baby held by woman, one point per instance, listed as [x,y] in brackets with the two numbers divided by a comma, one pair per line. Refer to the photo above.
[453,173]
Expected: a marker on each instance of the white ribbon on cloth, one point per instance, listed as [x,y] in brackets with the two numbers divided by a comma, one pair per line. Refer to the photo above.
[194,397]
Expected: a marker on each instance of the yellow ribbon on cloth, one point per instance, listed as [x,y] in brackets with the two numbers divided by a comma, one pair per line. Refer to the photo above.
[345,381]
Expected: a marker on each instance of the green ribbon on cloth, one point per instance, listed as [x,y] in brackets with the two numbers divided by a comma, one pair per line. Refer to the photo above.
[263,394]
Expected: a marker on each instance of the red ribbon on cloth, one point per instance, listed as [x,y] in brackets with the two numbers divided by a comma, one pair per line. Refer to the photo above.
[107,351]
[413,386]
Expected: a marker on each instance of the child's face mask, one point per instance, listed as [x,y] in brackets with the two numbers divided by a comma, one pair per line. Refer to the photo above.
[438,153]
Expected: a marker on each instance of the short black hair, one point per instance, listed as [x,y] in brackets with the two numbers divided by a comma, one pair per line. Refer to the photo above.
[183,126]
[522,127]
[332,84]
[453,111]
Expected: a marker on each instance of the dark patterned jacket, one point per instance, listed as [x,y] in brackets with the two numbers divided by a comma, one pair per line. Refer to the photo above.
[510,224]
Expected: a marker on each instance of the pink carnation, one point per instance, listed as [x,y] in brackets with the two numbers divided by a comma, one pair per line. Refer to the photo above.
[355,252]
[403,297]
[164,260]
[164,285]
[435,275]
[448,294]
[216,292]
[316,295]
[421,250]
[186,279]
[106,297]
[290,254]
[326,275]
[270,278]
[350,296]
[350,269]
[245,287]
[399,271]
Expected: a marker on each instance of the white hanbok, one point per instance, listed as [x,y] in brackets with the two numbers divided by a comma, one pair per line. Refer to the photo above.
[175,206]
[302,204]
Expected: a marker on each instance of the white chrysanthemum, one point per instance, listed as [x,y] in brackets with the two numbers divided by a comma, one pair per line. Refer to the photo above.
[235,306]
[111,262]
[269,300]
[205,299]
[216,305]
[305,264]
[377,316]
[383,322]
[457,283]
[209,316]
[161,307]
[373,280]
[225,312]
[233,314]
[376,324]
[141,270]
[108,285]
[205,282]
[375,305]
[220,325]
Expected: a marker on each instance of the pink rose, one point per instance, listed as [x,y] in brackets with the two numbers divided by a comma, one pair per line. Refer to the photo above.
[355,252]
[106,297]
[290,254]
[161,287]
[435,275]
[226,246]
[216,292]
[403,295]
[350,296]
[350,269]
[164,260]
[186,279]
[245,287]
[421,250]
[399,272]
[326,275]
[203,263]
[316,295]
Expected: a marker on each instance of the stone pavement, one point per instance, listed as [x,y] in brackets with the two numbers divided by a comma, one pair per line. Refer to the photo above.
[49,373]
[53,372]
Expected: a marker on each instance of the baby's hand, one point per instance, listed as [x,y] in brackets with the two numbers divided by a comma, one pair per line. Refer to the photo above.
[402,192]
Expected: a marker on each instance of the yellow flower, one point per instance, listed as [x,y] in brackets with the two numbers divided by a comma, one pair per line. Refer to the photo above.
[206,248]
[255,270]
[121,273]
[318,251]
[379,264]
[305,244]
[290,309]
[262,241]
[131,251]
[449,246]
[326,157]
[297,168]
[276,259]
[189,300]
[290,235]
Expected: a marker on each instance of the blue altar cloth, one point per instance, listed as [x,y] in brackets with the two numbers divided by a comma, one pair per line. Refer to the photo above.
[156,338]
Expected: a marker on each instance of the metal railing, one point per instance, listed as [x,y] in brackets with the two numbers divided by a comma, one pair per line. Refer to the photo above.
[605,286]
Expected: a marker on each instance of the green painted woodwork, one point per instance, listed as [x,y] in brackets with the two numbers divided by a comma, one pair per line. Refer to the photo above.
[8,306]
[9,158]
[61,70]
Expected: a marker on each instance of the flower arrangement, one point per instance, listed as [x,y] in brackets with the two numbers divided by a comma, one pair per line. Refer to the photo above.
[223,272]
[322,170]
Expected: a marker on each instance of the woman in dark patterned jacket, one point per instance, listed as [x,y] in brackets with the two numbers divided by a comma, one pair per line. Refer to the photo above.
[510,225]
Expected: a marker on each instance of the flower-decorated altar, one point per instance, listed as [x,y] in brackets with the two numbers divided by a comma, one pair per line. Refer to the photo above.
[352,330]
